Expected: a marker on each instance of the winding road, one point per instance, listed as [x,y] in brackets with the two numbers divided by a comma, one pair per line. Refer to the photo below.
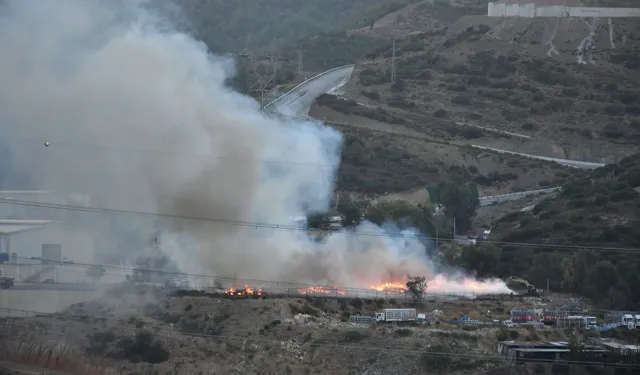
[566,162]
[297,102]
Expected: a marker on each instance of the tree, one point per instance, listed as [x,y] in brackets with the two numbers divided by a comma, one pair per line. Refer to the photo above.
[404,214]
[460,200]
[417,286]
[482,259]
[547,266]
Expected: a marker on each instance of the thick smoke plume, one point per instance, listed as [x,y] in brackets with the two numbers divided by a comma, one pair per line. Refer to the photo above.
[140,118]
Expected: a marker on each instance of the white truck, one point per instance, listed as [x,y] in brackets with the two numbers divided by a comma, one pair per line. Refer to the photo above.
[396,315]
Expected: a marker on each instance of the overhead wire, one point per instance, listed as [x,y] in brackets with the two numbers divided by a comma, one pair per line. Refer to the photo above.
[162,328]
[270,286]
[298,228]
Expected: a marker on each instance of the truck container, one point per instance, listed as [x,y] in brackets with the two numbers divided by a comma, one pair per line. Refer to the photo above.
[4,257]
[397,315]
[550,316]
[6,282]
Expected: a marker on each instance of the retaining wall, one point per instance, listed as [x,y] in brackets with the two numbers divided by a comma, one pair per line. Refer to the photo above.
[531,10]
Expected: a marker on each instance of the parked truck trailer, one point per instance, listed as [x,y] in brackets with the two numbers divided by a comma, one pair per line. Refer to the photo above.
[396,315]
[6,282]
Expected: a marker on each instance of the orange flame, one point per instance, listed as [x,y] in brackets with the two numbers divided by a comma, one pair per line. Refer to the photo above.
[247,291]
[397,287]
[321,289]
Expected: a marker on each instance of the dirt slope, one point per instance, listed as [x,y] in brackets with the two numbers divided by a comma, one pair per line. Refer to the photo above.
[570,84]
[142,333]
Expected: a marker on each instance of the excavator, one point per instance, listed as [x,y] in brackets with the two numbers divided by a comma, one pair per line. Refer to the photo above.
[523,287]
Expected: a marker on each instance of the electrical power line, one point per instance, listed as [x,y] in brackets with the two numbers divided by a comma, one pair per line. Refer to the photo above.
[354,292]
[94,147]
[162,328]
[273,226]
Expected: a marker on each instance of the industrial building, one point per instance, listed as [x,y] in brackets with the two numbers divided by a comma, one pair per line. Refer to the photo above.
[555,8]
[551,351]
[47,240]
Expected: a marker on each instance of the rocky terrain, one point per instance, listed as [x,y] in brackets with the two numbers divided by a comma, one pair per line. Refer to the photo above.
[379,159]
[136,332]
[568,86]
[577,235]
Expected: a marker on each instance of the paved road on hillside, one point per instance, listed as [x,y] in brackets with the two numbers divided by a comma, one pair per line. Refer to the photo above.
[566,162]
[299,100]
[485,201]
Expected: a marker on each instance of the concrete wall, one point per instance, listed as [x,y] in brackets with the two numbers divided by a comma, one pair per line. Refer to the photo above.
[62,273]
[604,12]
[530,10]
[77,245]
[46,301]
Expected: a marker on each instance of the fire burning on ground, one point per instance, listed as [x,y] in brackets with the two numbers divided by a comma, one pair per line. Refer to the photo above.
[396,287]
[246,291]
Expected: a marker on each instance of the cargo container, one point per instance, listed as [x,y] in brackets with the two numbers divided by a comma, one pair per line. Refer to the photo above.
[397,315]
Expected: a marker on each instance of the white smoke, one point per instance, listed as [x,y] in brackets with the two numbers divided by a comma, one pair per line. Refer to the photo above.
[99,80]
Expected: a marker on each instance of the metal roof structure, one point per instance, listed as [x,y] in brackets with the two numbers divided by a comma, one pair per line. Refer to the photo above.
[17,226]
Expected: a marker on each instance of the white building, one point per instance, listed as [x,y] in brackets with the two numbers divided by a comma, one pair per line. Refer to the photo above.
[555,8]
[27,237]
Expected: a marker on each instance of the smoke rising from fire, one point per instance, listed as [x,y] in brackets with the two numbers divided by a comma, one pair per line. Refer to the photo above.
[110,77]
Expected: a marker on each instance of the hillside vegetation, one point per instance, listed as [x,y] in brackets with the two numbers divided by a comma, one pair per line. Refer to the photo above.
[534,77]
[601,210]
[375,163]
[228,26]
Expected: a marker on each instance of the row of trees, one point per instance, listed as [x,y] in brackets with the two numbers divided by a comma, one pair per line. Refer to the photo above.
[609,280]
[458,198]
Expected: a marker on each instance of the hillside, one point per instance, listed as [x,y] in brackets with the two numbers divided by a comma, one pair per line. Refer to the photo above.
[601,210]
[228,26]
[573,93]
[138,332]
[378,160]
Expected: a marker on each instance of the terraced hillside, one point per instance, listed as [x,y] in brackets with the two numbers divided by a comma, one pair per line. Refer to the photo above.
[570,85]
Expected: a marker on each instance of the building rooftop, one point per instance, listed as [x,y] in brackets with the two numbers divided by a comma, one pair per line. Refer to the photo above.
[613,344]
[541,345]
[17,226]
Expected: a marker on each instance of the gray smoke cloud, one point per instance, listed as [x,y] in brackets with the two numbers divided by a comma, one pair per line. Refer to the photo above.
[139,117]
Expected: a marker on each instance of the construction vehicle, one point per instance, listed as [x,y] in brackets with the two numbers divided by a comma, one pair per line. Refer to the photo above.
[6,282]
[397,315]
[523,287]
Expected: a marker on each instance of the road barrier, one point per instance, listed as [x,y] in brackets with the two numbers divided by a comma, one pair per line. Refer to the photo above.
[513,196]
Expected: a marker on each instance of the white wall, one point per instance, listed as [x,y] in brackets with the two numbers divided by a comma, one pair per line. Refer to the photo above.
[604,12]
[530,10]
[77,245]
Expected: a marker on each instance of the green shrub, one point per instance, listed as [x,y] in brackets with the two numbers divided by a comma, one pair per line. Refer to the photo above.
[404,332]
[353,336]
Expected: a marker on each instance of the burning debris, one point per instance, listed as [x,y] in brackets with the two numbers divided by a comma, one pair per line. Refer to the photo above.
[245,292]
[396,287]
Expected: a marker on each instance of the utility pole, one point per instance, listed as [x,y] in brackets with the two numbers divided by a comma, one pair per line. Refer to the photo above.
[393,62]
[300,62]
[454,227]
